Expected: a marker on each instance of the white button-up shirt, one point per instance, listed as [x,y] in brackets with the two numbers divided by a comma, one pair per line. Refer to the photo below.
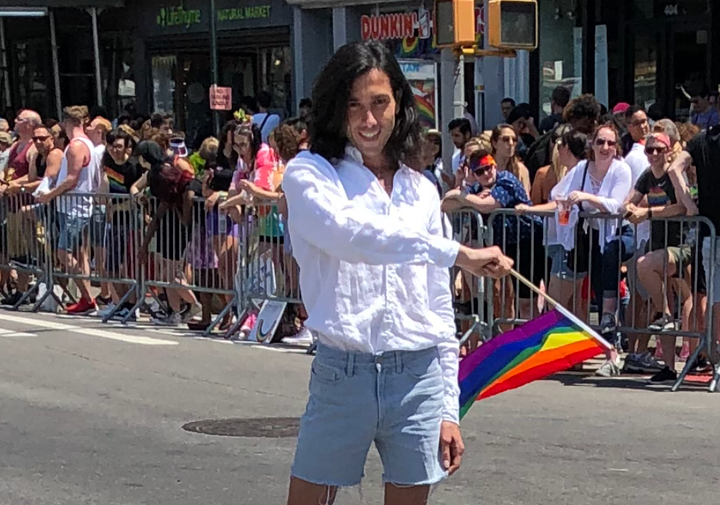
[374,268]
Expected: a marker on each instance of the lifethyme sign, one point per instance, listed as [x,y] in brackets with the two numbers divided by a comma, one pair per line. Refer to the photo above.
[177,16]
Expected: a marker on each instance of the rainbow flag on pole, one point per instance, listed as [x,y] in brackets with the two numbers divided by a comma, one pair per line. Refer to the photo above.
[550,343]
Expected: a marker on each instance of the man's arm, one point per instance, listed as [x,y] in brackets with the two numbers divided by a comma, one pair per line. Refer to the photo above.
[77,153]
[321,214]
[676,172]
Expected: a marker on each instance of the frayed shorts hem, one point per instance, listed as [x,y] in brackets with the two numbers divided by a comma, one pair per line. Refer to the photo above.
[317,482]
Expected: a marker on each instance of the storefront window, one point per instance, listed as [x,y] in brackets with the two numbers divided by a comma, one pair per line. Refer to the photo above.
[117,73]
[645,69]
[559,65]
[275,72]
[163,78]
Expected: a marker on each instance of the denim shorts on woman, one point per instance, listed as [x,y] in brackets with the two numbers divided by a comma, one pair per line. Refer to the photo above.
[394,399]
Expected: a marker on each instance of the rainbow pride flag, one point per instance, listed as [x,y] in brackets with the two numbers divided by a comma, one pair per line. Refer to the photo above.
[550,343]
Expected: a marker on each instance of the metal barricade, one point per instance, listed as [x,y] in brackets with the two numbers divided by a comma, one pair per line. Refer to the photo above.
[25,249]
[95,238]
[664,274]
[267,271]
[191,256]
[468,291]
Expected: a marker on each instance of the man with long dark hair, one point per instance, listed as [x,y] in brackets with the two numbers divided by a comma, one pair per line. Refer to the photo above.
[368,235]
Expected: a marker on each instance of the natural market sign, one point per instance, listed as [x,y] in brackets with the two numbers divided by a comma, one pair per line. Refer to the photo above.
[243,13]
[178,16]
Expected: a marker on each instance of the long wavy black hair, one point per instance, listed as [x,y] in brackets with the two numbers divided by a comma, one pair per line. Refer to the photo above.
[331,93]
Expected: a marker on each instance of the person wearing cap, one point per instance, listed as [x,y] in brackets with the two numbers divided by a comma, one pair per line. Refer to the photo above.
[665,247]
[491,189]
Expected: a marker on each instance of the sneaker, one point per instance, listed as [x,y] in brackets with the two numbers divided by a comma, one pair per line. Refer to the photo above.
[172,320]
[608,324]
[663,323]
[304,337]
[608,369]
[701,366]
[107,310]
[121,314]
[82,308]
[100,300]
[192,311]
[641,363]
[664,376]
[13,299]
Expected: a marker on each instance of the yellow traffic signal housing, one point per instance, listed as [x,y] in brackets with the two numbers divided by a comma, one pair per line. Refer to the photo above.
[513,24]
[454,23]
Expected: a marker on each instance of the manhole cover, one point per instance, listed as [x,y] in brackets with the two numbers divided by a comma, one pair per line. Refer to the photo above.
[263,427]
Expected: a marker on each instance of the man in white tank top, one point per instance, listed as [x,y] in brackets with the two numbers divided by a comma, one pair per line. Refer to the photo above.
[78,176]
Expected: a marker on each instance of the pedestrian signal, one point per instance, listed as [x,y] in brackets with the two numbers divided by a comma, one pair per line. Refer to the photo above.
[513,24]
[454,22]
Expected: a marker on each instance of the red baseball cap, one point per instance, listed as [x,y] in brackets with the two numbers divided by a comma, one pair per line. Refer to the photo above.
[621,108]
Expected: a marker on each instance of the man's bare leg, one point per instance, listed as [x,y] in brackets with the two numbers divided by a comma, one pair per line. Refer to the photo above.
[305,493]
[412,495]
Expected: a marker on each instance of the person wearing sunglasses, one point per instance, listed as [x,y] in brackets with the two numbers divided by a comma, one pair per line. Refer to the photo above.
[601,185]
[500,189]
[665,246]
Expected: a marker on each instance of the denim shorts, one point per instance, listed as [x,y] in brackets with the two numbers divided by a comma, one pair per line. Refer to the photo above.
[71,231]
[712,264]
[559,267]
[394,399]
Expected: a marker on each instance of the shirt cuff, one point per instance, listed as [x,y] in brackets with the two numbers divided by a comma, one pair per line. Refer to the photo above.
[451,408]
[443,252]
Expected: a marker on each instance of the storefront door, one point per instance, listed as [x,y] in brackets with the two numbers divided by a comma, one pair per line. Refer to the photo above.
[671,53]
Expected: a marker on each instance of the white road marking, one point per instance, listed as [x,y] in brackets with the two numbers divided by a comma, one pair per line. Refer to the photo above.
[16,334]
[123,338]
[91,332]
[40,323]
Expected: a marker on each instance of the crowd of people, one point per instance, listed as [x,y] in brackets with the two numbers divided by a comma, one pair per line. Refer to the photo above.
[594,204]
[99,199]
[639,171]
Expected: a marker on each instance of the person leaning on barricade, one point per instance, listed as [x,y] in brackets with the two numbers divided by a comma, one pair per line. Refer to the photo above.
[168,181]
[20,239]
[79,173]
[666,252]
[520,238]
[550,184]
[601,185]
[122,170]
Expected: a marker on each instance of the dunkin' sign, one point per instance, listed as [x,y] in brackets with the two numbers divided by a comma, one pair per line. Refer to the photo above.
[402,25]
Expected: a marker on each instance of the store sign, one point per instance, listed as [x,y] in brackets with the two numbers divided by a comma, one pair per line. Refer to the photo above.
[403,25]
[177,16]
[411,25]
[220,98]
[243,13]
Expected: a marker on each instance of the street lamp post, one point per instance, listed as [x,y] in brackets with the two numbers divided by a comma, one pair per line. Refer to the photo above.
[214,61]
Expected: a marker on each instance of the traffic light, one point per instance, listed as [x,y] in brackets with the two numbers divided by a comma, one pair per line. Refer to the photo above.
[513,24]
[454,22]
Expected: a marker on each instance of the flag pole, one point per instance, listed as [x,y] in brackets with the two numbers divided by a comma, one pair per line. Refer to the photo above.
[556,305]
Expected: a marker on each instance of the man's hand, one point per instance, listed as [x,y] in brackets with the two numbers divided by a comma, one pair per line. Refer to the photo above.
[211,200]
[451,446]
[487,262]
[637,215]
[44,198]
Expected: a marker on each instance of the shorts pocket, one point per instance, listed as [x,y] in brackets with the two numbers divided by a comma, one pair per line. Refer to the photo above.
[324,372]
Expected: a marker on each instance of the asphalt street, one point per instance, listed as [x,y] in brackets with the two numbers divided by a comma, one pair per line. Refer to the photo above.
[94,414]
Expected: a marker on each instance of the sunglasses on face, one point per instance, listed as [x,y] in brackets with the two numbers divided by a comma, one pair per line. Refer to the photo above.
[508,139]
[602,142]
[655,150]
[40,139]
[640,122]
[480,171]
